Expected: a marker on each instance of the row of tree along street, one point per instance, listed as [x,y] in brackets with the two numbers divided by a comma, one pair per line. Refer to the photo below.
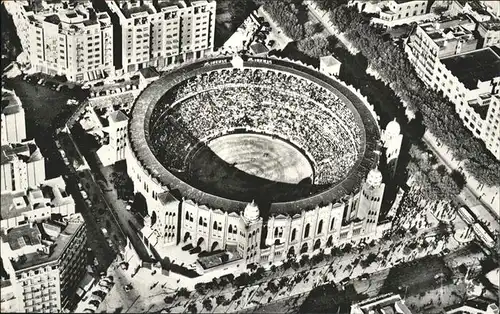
[437,113]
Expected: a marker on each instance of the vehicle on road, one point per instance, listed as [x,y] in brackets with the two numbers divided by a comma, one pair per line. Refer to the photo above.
[94,303]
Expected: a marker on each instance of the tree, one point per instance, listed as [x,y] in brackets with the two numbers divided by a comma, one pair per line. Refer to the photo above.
[220,300]
[282,282]
[369,260]
[286,13]
[315,47]
[312,28]
[304,260]
[207,304]
[347,248]
[271,286]
[192,308]
[241,280]
[237,295]
[438,114]
[183,292]
[200,288]
[459,178]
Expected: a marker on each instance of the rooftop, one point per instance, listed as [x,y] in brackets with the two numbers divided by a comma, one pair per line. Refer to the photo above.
[52,193]
[36,235]
[493,25]
[13,205]
[128,11]
[470,68]
[383,304]
[10,103]
[258,48]
[149,72]
[25,235]
[117,116]
[218,259]
[402,1]
[329,61]
[27,151]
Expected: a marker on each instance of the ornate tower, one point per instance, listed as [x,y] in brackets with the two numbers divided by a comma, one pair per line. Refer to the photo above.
[249,238]
[392,139]
[370,200]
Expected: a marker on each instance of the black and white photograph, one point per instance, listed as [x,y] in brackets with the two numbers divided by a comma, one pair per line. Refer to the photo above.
[250,156]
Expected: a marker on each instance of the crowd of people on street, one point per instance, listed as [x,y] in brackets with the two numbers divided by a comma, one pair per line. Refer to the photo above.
[290,107]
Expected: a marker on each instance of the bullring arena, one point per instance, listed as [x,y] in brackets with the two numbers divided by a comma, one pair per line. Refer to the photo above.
[257,157]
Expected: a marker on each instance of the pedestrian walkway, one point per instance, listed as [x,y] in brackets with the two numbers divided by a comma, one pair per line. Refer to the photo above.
[483,200]
[324,18]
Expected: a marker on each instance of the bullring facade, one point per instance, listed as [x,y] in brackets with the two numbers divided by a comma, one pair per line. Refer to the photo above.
[263,228]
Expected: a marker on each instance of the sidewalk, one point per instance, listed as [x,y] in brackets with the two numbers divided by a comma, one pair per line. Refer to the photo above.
[323,17]
[484,201]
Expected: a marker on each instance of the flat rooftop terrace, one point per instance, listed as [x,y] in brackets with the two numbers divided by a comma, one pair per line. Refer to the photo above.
[479,65]
[32,235]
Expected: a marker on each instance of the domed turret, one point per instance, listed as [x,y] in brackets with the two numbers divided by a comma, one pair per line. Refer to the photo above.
[374,178]
[392,128]
[251,211]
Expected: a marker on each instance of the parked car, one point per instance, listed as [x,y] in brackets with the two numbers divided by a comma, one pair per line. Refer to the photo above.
[95,297]
[84,194]
[104,289]
[99,293]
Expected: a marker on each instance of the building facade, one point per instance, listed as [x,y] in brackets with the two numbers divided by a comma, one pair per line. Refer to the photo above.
[44,263]
[77,43]
[109,128]
[400,9]
[182,222]
[22,166]
[13,128]
[446,59]
[162,33]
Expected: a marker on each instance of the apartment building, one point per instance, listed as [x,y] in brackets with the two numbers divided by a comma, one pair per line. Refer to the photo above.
[400,9]
[161,33]
[489,32]
[109,128]
[445,57]
[483,13]
[77,43]
[13,127]
[43,264]
[472,82]
[37,204]
[22,166]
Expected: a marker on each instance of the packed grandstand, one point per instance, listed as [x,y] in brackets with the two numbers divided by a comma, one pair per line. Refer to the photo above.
[214,103]
[202,101]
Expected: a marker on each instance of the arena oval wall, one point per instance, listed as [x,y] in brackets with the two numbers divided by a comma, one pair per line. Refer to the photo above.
[179,213]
